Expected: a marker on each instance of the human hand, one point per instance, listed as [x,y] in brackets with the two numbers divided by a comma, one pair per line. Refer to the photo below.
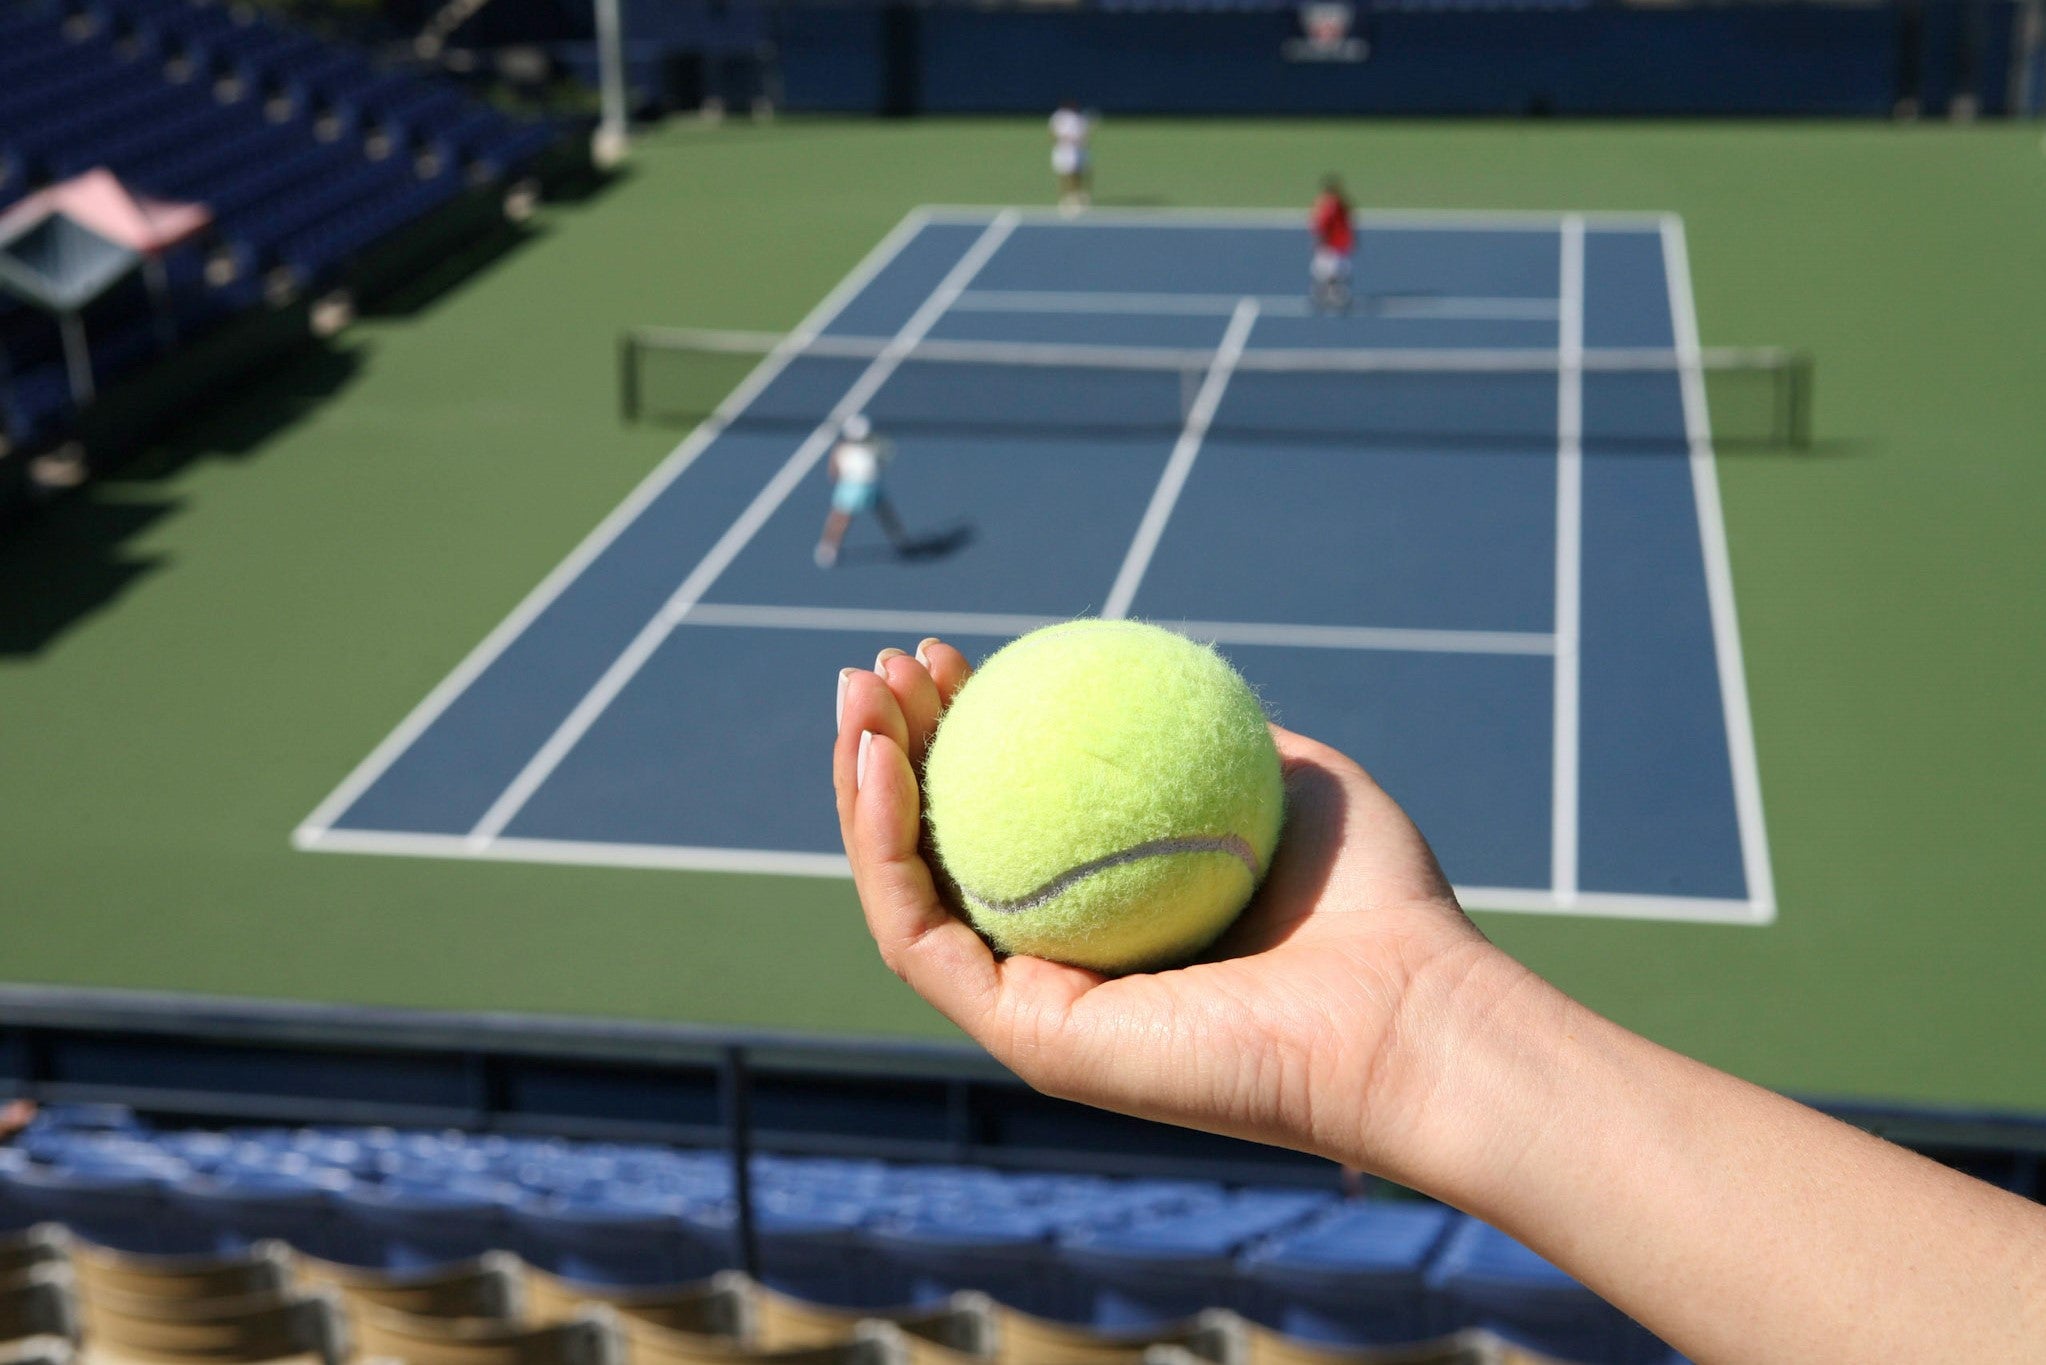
[1314,1023]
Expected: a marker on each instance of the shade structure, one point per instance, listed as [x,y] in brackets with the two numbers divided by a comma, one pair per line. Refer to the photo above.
[67,244]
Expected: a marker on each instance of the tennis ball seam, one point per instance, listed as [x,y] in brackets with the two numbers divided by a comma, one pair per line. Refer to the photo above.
[1235,845]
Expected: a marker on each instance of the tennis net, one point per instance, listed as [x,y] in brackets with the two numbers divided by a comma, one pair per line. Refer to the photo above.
[1630,398]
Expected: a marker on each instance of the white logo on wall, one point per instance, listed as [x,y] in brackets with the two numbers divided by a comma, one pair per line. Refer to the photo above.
[1325,34]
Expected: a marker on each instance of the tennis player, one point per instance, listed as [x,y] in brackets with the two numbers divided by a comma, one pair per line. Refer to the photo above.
[1070,130]
[856,462]
[1335,242]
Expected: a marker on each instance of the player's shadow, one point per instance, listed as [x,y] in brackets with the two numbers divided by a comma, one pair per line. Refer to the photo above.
[940,544]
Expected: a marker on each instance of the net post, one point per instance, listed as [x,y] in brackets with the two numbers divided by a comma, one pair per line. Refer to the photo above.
[628,378]
[1799,397]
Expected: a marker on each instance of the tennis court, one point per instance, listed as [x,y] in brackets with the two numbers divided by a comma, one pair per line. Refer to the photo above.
[1502,586]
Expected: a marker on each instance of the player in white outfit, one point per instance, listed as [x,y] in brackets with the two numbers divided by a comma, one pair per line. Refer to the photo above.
[1070,130]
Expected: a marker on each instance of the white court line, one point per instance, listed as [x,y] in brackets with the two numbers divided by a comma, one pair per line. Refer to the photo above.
[1726,633]
[582,853]
[627,665]
[921,623]
[1184,452]
[1396,220]
[687,858]
[1452,307]
[1563,794]
[1610,905]
[614,524]
[880,622]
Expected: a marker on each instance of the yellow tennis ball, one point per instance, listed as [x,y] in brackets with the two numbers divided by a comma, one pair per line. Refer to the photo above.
[1104,793]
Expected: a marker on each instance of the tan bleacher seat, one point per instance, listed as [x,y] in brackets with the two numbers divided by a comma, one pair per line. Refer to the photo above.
[1263,1346]
[721,1306]
[122,1328]
[872,1343]
[963,1324]
[40,1245]
[37,1302]
[265,1269]
[491,1286]
[1021,1339]
[37,1351]
[381,1333]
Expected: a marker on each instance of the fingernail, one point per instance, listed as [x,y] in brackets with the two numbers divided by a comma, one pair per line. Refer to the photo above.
[923,645]
[860,764]
[838,708]
[881,660]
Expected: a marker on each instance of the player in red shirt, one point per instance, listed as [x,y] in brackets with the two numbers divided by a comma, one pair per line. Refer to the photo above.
[1335,239]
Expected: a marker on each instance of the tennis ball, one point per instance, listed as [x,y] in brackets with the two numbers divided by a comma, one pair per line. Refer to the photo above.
[1104,793]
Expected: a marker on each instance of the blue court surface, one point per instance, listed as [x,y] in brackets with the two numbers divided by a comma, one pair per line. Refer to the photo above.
[1507,595]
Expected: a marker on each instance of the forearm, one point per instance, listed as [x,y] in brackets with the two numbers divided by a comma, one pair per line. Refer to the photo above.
[1737,1224]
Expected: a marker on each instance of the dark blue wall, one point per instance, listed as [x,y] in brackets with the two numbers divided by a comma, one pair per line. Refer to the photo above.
[1789,59]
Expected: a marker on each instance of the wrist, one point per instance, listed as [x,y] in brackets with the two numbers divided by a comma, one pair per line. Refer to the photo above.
[1471,1041]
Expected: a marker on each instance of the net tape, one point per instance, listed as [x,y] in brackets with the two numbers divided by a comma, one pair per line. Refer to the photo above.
[1756,394]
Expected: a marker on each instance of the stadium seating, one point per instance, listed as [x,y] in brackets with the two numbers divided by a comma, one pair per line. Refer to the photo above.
[262,1327]
[587,1340]
[721,1306]
[977,1262]
[21,1252]
[487,1287]
[1354,1276]
[105,1273]
[307,155]
[35,1303]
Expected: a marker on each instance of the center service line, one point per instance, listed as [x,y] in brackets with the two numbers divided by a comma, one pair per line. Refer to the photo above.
[1166,494]
[1563,796]
[578,722]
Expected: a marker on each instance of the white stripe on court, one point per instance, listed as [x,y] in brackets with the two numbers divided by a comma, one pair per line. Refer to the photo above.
[1003,626]
[689,858]
[1401,306]
[1184,452]
[1726,633]
[1367,637]
[1613,905]
[1563,793]
[614,524]
[865,619]
[627,665]
[1408,220]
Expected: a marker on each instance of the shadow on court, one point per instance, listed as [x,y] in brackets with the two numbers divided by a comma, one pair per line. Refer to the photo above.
[62,566]
[62,562]
[931,546]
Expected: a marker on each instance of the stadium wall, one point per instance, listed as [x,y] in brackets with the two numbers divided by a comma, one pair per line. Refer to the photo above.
[219,1061]
[1790,59]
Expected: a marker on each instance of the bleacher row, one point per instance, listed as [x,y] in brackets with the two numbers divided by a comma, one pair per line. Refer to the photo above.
[1126,1261]
[306,153]
[1361,7]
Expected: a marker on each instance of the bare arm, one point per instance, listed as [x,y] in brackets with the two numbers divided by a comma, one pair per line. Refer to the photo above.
[1356,1013]
[1739,1225]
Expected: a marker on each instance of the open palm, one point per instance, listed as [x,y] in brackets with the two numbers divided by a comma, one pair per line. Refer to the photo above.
[1306,998]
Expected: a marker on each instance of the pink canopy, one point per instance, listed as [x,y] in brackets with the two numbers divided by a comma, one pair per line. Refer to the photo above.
[99,201]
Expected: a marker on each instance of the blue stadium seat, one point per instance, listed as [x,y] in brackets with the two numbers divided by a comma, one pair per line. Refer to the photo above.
[238,1207]
[401,1225]
[1006,1253]
[1355,1277]
[12,1216]
[1143,1277]
[811,1249]
[1487,1279]
[612,1237]
[116,1204]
